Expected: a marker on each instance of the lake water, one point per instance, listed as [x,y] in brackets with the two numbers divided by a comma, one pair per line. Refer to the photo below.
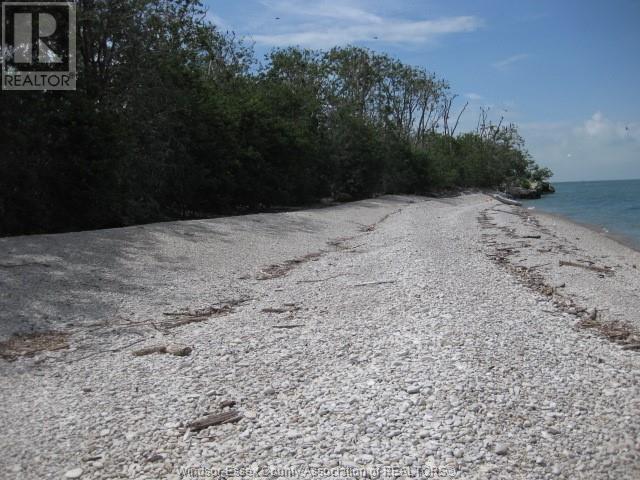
[611,205]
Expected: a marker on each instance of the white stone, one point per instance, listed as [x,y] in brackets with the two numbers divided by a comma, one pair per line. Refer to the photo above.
[501,449]
[75,473]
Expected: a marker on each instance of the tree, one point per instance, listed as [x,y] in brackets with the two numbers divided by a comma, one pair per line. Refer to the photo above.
[175,119]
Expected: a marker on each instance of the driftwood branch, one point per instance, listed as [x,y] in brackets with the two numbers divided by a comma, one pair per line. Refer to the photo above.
[232,416]
[18,265]
[565,263]
[319,280]
[174,349]
[367,284]
[537,266]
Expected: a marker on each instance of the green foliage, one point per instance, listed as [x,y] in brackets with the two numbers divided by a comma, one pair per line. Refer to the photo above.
[173,119]
[539,174]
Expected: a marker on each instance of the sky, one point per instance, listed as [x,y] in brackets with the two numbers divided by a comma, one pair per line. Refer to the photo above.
[567,72]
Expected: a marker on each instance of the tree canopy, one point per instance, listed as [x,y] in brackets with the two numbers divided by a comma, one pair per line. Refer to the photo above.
[175,119]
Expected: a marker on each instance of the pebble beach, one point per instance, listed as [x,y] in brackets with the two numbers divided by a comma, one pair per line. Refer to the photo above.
[402,336]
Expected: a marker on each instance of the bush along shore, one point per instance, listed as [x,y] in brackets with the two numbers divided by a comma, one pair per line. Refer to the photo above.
[177,119]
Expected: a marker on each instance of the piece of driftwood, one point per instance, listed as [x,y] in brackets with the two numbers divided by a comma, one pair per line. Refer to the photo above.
[507,201]
[149,351]
[279,270]
[179,319]
[275,310]
[204,312]
[537,266]
[232,416]
[173,349]
[30,264]
[288,308]
[367,284]
[565,263]
[319,279]
[288,326]
[531,236]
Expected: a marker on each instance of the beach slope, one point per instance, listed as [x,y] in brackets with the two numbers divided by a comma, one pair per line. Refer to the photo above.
[391,332]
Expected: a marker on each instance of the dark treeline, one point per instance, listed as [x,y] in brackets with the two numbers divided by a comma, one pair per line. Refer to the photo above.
[175,119]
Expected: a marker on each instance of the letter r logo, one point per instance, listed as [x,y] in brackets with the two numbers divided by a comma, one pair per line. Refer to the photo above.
[23,37]
[38,45]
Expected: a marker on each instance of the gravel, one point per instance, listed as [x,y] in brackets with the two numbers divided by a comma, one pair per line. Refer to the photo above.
[615,296]
[411,350]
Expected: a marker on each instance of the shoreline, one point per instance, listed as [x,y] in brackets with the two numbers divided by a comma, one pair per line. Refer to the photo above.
[608,207]
[589,274]
[619,238]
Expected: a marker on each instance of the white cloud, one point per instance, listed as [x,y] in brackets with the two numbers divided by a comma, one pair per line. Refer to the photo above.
[505,63]
[327,9]
[600,126]
[388,31]
[331,22]
[597,148]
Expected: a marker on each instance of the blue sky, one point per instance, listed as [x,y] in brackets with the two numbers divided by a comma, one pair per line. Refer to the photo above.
[566,71]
